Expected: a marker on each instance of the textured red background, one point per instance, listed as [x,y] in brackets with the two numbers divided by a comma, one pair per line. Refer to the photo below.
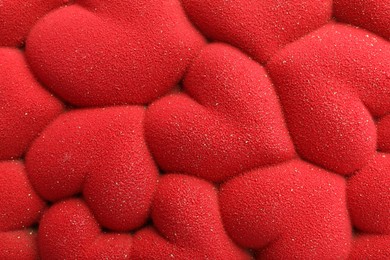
[188,129]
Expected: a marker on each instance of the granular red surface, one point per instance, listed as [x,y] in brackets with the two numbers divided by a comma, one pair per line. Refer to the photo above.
[189,129]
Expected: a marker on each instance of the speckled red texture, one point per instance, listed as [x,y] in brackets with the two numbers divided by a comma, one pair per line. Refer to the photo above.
[17,17]
[373,15]
[25,107]
[217,131]
[111,246]
[20,205]
[383,128]
[259,28]
[287,209]
[67,230]
[101,153]
[18,245]
[330,83]
[148,244]
[370,247]
[186,129]
[85,64]
[368,196]
[185,211]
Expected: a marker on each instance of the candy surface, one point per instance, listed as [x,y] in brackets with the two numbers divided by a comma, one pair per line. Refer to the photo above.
[189,129]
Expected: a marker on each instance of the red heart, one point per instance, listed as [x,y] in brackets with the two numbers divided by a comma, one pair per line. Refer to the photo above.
[291,210]
[328,83]
[232,123]
[101,153]
[95,53]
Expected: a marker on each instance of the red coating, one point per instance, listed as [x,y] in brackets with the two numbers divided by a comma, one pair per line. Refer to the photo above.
[270,141]
[370,247]
[102,153]
[25,107]
[131,54]
[185,211]
[148,244]
[20,206]
[373,15]
[15,28]
[18,245]
[226,127]
[286,209]
[368,196]
[110,246]
[259,28]
[67,230]
[383,128]
[330,83]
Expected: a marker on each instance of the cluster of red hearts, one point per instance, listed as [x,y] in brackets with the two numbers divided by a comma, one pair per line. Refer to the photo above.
[188,129]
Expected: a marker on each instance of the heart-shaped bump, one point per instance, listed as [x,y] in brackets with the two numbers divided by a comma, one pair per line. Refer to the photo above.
[186,213]
[96,53]
[331,83]
[286,209]
[26,107]
[232,123]
[259,28]
[101,153]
